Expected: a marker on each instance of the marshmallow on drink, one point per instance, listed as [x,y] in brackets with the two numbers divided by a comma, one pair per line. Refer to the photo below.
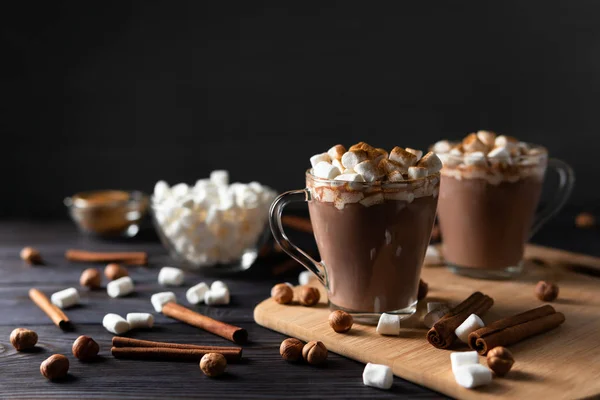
[378,376]
[158,300]
[471,324]
[65,298]
[120,287]
[116,324]
[169,276]
[389,324]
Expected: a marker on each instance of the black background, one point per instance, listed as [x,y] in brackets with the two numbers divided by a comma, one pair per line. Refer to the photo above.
[119,95]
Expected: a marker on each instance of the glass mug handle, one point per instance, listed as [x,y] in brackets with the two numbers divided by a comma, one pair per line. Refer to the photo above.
[293,196]
[565,187]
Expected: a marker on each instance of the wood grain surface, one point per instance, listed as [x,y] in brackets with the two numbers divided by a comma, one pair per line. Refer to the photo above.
[562,363]
[261,374]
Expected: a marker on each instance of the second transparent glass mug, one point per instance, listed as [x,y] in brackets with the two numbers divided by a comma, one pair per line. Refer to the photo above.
[488,213]
[372,238]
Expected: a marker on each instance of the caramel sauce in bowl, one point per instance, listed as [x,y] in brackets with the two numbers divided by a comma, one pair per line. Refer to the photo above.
[108,212]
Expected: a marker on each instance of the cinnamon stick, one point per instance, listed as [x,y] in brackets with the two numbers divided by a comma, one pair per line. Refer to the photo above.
[298,223]
[170,354]
[510,330]
[442,335]
[57,316]
[229,332]
[119,341]
[130,257]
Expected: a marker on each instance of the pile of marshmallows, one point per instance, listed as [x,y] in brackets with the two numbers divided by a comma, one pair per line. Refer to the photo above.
[364,163]
[213,221]
[484,148]
[217,294]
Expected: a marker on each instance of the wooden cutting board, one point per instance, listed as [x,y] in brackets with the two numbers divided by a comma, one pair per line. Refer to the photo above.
[563,363]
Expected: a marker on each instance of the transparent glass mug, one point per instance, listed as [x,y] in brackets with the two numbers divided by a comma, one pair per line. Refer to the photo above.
[372,238]
[487,214]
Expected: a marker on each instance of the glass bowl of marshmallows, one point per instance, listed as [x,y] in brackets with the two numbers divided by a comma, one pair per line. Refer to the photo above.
[212,223]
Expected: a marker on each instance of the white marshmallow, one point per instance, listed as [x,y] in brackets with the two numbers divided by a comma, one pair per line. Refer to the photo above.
[389,324]
[161,190]
[488,138]
[65,298]
[471,324]
[195,294]
[120,287]
[472,143]
[158,300]
[140,320]
[506,141]
[433,256]
[388,166]
[325,170]
[462,358]
[372,200]
[418,153]
[218,285]
[304,277]
[317,158]
[336,152]
[219,296]
[353,157]
[430,161]
[500,154]
[220,177]
[350,178]
[378,376]
[369,171]
[169,276]
[395,176]
[417,172]
[476,158]
[115,324]
[443,146]
[403,157]
[180,190]
[471,376]
[338,165]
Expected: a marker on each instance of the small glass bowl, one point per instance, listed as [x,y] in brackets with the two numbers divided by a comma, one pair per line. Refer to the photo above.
[227,240]
[108,213]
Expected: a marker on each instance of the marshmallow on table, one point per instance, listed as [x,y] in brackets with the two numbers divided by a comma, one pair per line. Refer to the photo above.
[471,376]
[170,276]
[325,170]
[158,300]
[218,285]
[352,158]
[417,172]
[304,278]
[120,287]
[460,359]
[378,376]
[218,296]
[389,324]
[317,158]
[471,324]
[140,320]
[116,324]
[65,298]
[195,294]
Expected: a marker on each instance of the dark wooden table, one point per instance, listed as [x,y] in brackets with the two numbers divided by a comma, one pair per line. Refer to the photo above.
[262,374]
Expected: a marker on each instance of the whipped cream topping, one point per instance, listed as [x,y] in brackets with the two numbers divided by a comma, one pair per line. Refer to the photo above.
[485,155]
[369,176]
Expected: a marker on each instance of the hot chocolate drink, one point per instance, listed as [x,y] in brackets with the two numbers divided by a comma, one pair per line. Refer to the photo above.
[372,215]
[490,188]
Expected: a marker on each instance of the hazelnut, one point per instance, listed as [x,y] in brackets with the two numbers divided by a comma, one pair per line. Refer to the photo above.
[90,278]
[585,220]
[282,293]
[213,364]
[546,291]
[55,367]
[340,321]
[500,360]
[291,349]
[314,352]
[309,296]
[23,339]
[85,348]
[31,255]
[115,271]
[423,289]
